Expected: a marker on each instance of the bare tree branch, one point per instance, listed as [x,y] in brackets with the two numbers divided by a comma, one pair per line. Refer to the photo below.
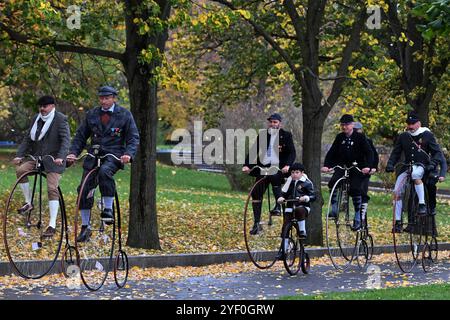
[21,38]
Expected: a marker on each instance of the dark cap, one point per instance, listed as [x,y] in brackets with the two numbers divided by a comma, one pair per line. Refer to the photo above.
[45,100]
[297,166]
[412,117]
[106,91]
[275,116]
[346,118]
[357,125]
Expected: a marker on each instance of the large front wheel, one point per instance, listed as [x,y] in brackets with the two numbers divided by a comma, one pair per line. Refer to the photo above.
[95,252]
[406,230]
[262,230]
[341,240]
[31,253]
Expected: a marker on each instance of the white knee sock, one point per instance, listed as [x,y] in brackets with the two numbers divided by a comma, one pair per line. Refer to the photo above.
[85,217]
[26,191]
[53,206]
[420,193]
[108,202]
[302,225]
[398,210]
[286,243]
[364,210]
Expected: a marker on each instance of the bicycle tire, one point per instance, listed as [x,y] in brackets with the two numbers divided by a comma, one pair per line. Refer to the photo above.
[407,242]
[341,241]
[22,234]
[95,256]
[262,248]
[291,249]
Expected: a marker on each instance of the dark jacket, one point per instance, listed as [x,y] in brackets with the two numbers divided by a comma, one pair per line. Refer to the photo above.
[120,136]
[286,148]
[55,142]
[346,150]
[299,189]
[421,149]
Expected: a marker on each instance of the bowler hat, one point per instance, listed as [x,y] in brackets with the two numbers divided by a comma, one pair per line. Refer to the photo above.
[346,118]
[412,117]
[45,100]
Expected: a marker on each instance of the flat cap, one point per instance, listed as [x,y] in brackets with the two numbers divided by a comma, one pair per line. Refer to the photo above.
[107,91]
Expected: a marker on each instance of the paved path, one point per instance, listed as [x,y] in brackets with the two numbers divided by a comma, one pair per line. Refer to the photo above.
[257,284]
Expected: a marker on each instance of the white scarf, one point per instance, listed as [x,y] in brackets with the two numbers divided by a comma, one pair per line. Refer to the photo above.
[48,121]
[289,180]
[419,131]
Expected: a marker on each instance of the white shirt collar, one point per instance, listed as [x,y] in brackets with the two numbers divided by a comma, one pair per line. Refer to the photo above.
[110,109]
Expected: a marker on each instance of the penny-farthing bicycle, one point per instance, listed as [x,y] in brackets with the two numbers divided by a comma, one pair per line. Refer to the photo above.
[293,247]
[345,245]
[264,246]
[414,235]
[23,230]
[95,256]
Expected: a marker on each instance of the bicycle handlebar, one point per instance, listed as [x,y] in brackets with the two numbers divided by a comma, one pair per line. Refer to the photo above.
[265,168]
[100,157]
[346,168]
[291,200]
[266,171]
[39,157]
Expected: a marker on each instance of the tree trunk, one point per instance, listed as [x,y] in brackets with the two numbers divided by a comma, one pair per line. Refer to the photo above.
[311,153]
[143,224]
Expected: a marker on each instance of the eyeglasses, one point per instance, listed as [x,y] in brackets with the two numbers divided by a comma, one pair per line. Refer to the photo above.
[44,106]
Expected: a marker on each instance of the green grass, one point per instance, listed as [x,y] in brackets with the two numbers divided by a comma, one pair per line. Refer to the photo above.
[424,292]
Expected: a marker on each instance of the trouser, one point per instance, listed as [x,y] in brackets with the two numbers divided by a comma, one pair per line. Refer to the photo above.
[300,214]
[52,179]
[356,182]
[365,195]
[104,178]
[399,189]
[432,191]
[258,192]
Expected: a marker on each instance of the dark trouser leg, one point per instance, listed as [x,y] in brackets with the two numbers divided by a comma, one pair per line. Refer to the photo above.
[300,214]
[106,178]
[431,188]
[364,196]
[356,180]
[276,181]
[334,205]
[257,196]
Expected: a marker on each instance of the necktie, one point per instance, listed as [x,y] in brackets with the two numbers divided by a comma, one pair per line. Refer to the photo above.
[40,125]
[105,117]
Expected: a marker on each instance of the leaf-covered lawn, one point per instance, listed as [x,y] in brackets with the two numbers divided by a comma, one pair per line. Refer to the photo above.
[198,212]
